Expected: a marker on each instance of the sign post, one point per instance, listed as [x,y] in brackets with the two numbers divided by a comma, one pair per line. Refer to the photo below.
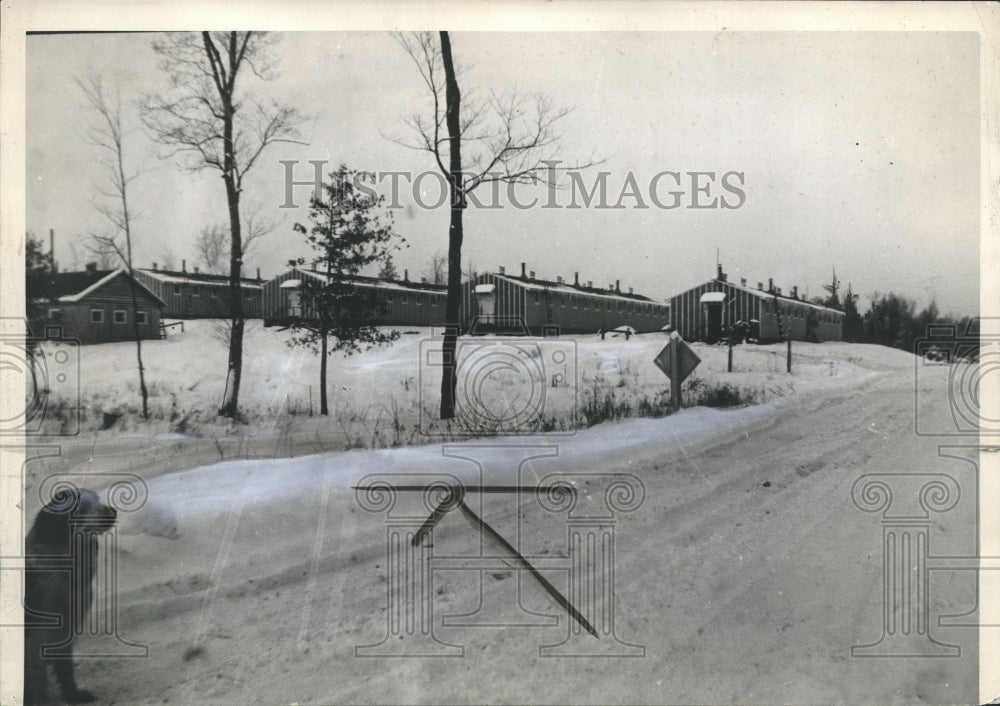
[677,361]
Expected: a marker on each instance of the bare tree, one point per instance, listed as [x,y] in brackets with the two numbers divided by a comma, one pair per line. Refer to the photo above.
[509,139]
[210,123]
[108,136]
[469,273]
[168,260]
[212,245]
[211,248]
[437,269]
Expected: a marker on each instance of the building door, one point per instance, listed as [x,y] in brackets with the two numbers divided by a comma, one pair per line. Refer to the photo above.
[713,322]
[293,307]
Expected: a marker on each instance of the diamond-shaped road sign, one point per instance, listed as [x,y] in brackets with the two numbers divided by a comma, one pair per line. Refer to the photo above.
[687,360]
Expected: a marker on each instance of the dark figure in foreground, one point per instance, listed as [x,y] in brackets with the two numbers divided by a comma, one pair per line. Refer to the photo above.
[59,589]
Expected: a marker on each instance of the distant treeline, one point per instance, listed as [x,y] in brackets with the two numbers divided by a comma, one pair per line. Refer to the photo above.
[893,320]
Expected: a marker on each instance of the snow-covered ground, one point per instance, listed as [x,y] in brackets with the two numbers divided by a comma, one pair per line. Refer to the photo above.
[185,376]
[743,568]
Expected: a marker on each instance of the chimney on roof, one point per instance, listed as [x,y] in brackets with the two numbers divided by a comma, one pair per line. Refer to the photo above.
[523,275]
[503,270]
[770,284]
[795,292]
[611,287]
[531,275]
[630,290]
[91,268]
[258,274]
[559,279]
[590,284]
[743,281]
[576,279]
[423,280]
[196,269]
[777,290]
[760,286]
[184,265]
[406,275]
[718,271]
[52,250]
[154,266]
[618,287]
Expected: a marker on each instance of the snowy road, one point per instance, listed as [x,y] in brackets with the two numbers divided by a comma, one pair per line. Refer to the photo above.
[746,574]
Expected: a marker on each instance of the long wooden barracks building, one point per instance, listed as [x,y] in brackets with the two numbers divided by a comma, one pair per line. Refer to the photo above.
[498,301]
[492,302]
[200,295]
[704,312]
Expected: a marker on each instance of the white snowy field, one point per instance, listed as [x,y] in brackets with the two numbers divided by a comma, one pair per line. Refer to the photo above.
[743,570]
[186,379]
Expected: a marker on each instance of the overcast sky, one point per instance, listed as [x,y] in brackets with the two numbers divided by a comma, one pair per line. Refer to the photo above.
[858,151]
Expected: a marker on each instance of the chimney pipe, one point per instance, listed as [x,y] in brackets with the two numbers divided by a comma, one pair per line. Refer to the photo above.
[576,279]
[795,292]
[258,274]
[184,265]
[718,271]
[770,284]
[618,287]
[406,275]
[523,276]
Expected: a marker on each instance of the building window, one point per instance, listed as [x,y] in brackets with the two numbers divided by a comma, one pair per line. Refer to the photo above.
[434,301]
[97,316]
[177,290]
[141,318]
[403,299]
[120,316]
[195,292]
[420,301]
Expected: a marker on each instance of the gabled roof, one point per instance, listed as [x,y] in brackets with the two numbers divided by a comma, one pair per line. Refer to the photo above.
[570,288]
[174,277]
[764,294]
[379,283]
[73,286]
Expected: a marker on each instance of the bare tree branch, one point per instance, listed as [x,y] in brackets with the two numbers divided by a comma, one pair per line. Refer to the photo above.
[107,136]
[205,120]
